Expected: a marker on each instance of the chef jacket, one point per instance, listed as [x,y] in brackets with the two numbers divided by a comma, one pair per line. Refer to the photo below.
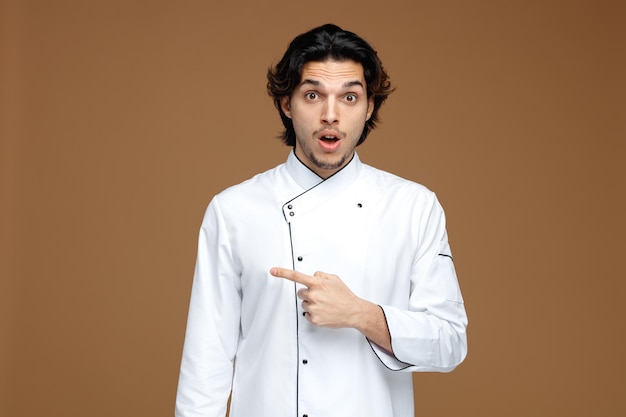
[384,236]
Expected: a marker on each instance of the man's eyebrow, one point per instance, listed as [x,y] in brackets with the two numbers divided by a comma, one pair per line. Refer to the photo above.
[316,83]
[352,84]
[309,81]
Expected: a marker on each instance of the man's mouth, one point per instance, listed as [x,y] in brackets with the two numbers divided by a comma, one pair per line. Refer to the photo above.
[328,135]
[329,141]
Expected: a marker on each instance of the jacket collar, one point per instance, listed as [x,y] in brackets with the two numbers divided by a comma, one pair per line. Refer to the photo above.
[316,190]
[308,179]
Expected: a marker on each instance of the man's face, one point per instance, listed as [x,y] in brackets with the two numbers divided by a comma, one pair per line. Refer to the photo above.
[328,109]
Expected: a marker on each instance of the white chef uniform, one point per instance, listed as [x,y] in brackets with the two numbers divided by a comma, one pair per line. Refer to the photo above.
[384,236]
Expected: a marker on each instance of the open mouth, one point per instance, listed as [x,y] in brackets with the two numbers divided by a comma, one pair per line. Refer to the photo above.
[329,141]
[328,135]
[329,138]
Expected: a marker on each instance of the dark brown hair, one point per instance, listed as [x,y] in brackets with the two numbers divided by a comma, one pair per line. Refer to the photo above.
[319,44]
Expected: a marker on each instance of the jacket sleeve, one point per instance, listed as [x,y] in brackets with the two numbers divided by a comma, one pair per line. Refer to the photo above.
[431,334]
[212,330]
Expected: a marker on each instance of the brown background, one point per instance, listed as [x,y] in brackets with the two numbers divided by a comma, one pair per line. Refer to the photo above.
[121,119]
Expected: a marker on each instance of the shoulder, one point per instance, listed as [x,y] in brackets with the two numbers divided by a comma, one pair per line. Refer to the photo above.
[391,185]
[404,203]
[247,200]
[253,188]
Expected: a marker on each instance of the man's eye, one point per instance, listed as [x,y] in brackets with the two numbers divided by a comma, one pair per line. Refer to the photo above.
[351,98]
[311,95]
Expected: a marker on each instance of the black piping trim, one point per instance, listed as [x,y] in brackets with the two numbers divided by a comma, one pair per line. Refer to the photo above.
[293,266]
[447,256]
[319,183]
[408,365]
[302,193]
[323,179]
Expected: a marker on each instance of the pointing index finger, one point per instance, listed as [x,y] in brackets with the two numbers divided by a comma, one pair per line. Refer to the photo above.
[292,275]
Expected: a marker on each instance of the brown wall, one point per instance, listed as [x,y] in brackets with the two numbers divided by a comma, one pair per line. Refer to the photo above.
[120,120]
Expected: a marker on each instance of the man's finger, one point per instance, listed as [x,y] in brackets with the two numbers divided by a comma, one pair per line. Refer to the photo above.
[292,275]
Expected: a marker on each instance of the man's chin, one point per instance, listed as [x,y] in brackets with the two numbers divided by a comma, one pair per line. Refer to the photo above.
[329,164]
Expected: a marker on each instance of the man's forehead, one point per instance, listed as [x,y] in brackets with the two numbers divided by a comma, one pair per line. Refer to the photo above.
[331,70]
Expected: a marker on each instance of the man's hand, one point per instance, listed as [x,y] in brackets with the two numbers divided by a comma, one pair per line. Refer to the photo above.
[328,302]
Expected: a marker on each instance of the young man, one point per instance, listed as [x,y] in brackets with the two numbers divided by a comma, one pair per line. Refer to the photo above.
[321,284]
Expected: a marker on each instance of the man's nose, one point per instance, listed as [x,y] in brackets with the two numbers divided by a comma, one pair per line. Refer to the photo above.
[330,113]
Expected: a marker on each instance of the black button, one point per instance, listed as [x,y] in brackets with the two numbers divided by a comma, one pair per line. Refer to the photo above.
[300,258]
[291,213]
[289,206]
[305,415]
[359,205]
[304,361]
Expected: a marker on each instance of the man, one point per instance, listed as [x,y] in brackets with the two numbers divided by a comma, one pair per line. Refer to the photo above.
[321,284]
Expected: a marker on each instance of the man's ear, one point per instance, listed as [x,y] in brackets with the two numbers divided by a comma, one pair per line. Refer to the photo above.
[370,107]
[285,106]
